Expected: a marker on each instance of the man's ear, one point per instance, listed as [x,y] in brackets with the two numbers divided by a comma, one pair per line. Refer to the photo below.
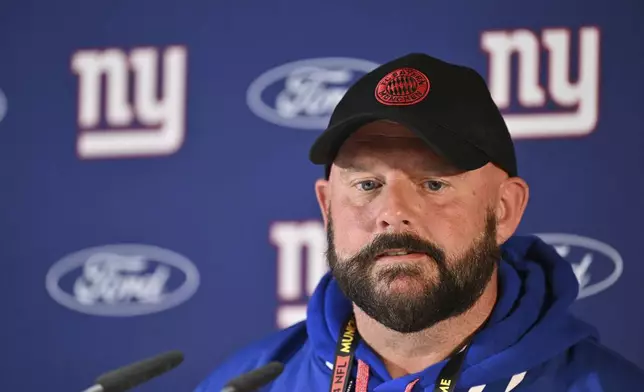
[513,200]
[322,194]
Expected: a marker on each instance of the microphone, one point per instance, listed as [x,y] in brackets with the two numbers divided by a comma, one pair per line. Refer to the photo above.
[254,379]
[129,376]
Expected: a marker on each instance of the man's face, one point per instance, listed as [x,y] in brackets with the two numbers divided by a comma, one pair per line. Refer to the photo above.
[412,241]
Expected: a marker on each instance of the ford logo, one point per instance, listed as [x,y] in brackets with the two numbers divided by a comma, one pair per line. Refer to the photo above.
[303,94]
[3,105]
[596,265]
[122,280]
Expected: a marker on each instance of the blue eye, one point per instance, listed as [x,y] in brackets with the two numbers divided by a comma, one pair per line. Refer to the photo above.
[434,185]
[367,186]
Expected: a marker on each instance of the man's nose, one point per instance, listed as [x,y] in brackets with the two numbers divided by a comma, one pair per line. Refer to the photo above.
[401,205]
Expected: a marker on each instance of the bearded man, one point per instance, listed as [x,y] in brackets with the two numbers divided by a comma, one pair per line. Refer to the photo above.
[429,289]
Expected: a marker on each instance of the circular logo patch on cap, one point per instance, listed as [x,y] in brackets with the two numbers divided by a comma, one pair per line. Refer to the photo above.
[404,86]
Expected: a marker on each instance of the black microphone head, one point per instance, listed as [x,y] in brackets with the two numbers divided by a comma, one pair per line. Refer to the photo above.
[257,378]
[127,377]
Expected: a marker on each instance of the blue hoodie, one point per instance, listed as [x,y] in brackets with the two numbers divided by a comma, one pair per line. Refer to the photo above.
[530,344]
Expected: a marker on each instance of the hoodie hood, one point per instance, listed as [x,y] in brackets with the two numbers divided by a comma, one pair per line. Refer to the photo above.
[529,325]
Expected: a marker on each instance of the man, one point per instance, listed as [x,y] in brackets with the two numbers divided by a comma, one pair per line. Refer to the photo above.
[429,289]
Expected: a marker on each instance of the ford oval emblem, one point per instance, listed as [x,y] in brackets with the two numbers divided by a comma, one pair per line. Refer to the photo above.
[122,280]
[596,265]
[302,94]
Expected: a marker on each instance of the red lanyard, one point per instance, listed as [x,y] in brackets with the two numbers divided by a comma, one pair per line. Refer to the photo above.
[344,358]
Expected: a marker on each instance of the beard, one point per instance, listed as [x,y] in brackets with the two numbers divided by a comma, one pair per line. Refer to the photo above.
[459,283]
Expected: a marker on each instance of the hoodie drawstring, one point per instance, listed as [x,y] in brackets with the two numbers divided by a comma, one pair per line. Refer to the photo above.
[362,379]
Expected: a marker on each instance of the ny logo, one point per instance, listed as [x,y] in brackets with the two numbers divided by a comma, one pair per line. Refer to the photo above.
[300,266]
[579,99]
[145,122]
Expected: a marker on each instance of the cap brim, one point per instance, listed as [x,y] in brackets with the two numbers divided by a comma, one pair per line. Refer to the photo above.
[444,143]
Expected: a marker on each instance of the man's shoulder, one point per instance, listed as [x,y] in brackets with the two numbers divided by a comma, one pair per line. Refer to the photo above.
[606,365]
[277,346]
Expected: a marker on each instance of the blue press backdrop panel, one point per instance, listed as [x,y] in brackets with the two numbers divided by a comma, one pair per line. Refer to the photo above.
[183,128]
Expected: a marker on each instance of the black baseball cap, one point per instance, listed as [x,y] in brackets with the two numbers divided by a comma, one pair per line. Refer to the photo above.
[448,106]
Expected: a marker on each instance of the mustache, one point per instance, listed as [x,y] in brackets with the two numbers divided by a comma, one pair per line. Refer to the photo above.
[400,241]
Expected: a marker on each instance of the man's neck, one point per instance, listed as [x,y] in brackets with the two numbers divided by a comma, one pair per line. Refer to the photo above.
[409,353]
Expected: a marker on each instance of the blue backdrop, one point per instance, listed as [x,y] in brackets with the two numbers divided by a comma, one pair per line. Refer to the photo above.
[156,192]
